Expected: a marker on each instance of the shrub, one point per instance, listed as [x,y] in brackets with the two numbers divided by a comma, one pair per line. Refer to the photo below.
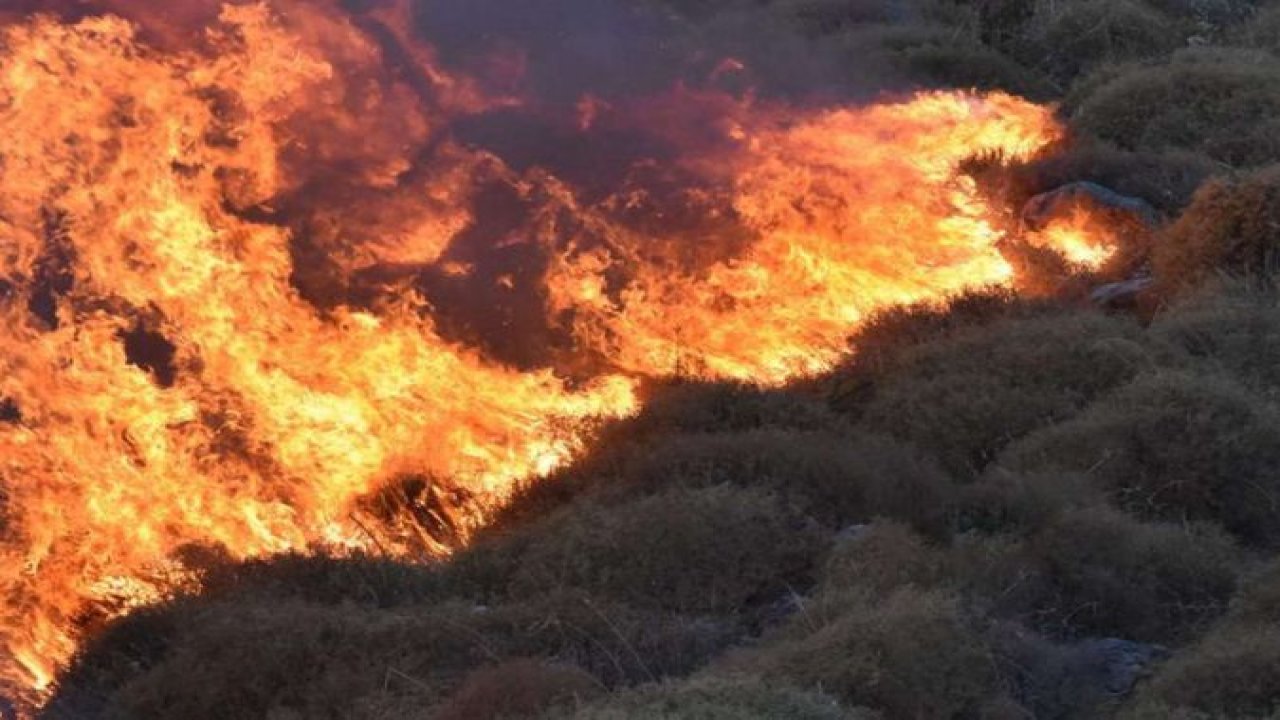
[835,478]
[1021,503]
[1232,226]
[1233,673]
[1221,103]
[1073,37]
[1167,180]
[1259,601]
[966,397]
[1102,573]
[517,689]
[235,657]
[941,57]
[702,550]
[878,559]
[1174,446]
[913,654]
[736,698]
[1231,330]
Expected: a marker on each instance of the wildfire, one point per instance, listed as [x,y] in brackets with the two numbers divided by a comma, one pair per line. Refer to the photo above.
[215,331]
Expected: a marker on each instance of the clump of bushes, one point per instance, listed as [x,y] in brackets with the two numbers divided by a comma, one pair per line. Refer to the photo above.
[1229,330]
[915,653]
[733,698]
[520,688]
[1221,103]
[834,477]
[1081,35]
[966,396]
[1231,227]
[1233,673]
[1174,446]
[712,550]
[1102,574]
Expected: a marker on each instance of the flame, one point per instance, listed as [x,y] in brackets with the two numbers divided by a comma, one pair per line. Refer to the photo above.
[138,194]
[1080,237]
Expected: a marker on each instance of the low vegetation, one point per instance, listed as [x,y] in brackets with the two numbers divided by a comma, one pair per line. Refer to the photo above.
[1005,507]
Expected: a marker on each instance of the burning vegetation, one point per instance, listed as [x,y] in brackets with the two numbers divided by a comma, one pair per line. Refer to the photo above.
[306,279]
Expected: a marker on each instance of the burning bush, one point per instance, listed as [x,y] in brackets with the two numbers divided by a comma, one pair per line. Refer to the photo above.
[1231,227]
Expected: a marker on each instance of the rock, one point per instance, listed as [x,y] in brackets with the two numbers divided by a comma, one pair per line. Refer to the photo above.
[1072,680]
[1116,665]
[1121,294]
[1043,208]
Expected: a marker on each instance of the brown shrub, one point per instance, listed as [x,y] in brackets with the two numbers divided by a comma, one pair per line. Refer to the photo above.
[913,654]
[1232,227]
[517,689]
[1224,104]
[1174,446]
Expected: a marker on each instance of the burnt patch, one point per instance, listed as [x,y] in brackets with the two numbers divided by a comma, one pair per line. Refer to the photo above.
[150,350]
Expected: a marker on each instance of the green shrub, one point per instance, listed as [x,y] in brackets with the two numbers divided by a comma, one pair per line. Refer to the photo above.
[1166,180]
[913,654]
[1224,104]
[1230,330]
[878,559]
[1174,446]
[1233,673]
[1074,37]
[738,698]
[1102,573]
[243,658]
[1021,503]
[1259,600]
[701,550]
[941,57]
[836,478]
[965,397]
[1232,227]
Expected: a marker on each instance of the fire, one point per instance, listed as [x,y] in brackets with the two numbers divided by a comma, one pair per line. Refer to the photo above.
[180,197]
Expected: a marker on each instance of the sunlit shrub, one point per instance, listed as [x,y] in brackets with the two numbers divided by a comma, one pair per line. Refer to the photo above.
[1231,227]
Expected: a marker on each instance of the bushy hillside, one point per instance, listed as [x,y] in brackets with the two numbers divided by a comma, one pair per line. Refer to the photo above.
[1005,507]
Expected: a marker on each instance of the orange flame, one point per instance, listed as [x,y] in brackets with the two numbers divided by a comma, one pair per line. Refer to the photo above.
[129,182]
